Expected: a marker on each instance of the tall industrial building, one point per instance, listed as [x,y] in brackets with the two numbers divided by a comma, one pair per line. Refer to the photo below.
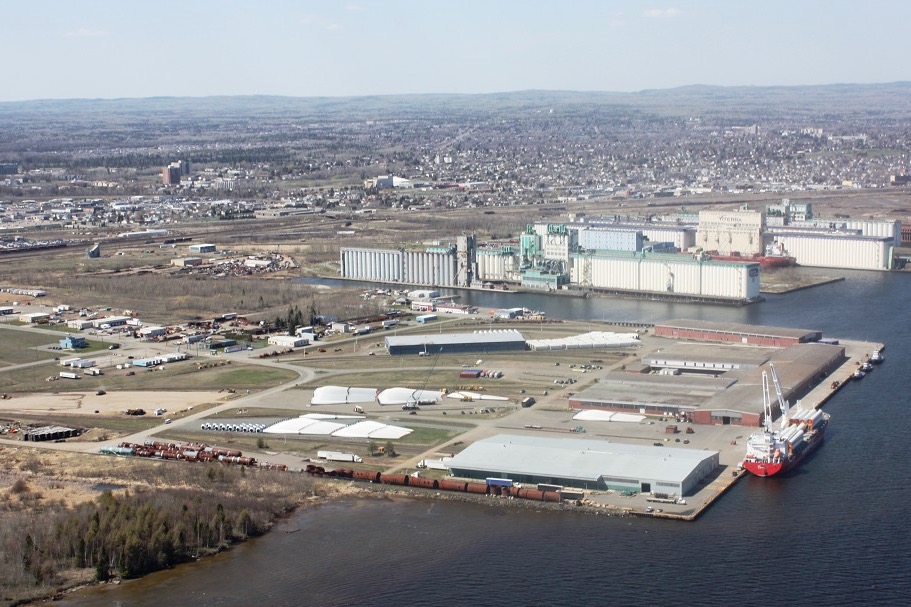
[170,175]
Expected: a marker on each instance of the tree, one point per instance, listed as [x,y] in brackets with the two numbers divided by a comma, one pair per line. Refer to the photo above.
[390,449]
[102,568]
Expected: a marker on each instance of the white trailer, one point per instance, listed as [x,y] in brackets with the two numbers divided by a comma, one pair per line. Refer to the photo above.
[69,375]
[337,456]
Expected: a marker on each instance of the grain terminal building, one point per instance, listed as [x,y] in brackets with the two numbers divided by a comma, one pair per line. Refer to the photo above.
[586,464]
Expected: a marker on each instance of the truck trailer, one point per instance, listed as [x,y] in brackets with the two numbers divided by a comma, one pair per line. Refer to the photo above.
[337,456]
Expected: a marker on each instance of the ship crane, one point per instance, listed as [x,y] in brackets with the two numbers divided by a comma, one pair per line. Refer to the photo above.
[766,403]
[783,405]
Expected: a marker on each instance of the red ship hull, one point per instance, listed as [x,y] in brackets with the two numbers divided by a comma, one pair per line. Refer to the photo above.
[764,469]
[763,261]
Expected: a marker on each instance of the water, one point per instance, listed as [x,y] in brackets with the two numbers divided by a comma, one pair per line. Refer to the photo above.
[831,533]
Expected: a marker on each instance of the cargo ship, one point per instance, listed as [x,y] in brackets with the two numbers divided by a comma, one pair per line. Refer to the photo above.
[775,257]
[775,451]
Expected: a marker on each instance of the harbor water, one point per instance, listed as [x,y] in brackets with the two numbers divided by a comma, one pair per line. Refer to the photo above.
[832,532]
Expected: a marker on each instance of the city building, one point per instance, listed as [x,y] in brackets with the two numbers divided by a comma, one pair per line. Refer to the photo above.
[72,342]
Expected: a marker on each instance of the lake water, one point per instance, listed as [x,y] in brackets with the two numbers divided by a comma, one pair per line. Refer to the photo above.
[834,532]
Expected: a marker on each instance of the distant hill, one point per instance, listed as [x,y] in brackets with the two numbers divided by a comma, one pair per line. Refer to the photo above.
[890,100]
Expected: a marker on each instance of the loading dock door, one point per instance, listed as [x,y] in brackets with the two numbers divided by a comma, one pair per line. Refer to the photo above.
[725,420]
[646,488]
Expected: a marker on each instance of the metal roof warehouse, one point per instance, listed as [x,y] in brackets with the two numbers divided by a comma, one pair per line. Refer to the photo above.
[588,464]
[434,343]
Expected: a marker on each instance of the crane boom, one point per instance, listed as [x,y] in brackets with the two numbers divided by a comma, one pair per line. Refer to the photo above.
[782,403]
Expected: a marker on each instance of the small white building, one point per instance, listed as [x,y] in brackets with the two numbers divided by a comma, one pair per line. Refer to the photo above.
[149,332]
[110,321]
[79,324]
[34,317]
[288,341]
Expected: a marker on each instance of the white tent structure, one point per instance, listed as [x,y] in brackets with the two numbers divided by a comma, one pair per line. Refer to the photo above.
[341,395]
[342,426]
[593,415]
[593,339]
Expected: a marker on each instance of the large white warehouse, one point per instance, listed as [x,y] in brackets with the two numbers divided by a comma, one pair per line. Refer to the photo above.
[839,251]
[657,273]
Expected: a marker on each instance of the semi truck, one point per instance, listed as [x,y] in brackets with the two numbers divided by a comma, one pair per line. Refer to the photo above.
[338,456]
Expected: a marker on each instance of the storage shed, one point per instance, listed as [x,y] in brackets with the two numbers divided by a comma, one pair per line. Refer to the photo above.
[288,341]
[479,341]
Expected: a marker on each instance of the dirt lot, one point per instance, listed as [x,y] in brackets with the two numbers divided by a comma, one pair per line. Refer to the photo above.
[112,403]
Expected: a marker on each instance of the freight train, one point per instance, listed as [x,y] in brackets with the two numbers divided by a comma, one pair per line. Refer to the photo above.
[446,484]
[190,452]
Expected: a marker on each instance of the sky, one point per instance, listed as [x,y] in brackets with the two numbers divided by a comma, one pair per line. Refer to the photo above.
[62,49]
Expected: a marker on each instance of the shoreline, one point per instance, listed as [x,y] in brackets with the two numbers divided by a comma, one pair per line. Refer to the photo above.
[337,491]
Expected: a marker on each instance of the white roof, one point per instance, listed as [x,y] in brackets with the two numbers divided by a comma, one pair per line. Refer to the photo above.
[400,396]
[594,415]
[593,339]
[390,433]
[442,339]
[304,425]
[359,430]
[344,426]
[341,395]
[574,458]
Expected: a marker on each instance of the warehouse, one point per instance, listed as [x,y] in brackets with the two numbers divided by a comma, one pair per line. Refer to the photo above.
[202,248]
[706,330]
[479,341]
[150,332]
[186,262]
[800,368]
[288,341]
[704,358]
[719,386]
[37,318]
[586,464]
[644,394]
[110,321]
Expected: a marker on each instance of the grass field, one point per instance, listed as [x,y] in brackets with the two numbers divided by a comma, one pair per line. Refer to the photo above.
[178,376]
[19,347]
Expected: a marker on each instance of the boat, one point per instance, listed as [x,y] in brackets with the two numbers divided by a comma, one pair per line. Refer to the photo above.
[866,367]
[877,357]
[775,257]
[858,374]
[775,451]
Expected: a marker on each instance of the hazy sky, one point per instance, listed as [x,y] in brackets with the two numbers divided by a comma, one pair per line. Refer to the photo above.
[129,48]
